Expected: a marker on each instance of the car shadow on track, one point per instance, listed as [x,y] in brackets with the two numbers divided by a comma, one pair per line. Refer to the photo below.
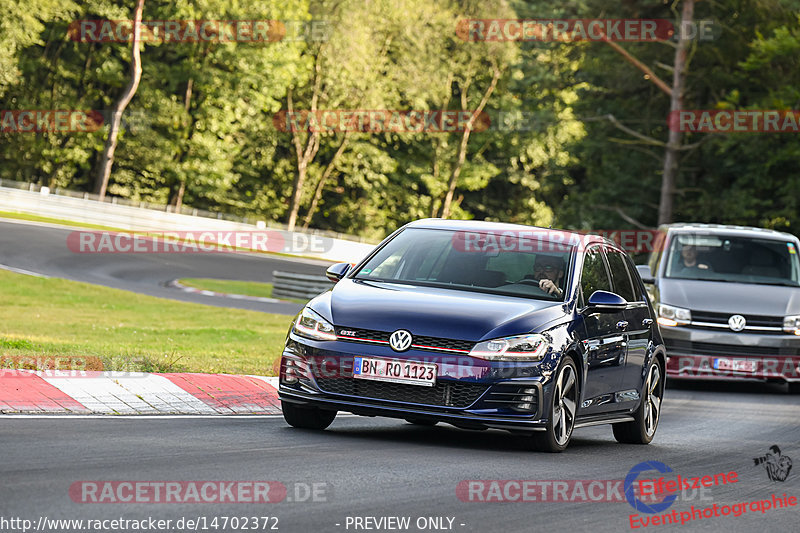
[445,436]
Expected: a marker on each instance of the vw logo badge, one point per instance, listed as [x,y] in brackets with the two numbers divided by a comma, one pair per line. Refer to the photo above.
[737,322]
[400,340]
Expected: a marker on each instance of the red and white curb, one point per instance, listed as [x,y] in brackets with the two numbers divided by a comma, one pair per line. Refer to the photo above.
[126,393]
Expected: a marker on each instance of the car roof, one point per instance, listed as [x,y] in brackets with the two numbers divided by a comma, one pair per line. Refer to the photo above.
[722,229]
[482,226]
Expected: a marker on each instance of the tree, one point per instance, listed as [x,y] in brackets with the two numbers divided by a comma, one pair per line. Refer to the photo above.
[107,157]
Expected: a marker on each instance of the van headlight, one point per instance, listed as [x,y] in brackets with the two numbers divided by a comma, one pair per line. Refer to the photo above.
[530,347]
[310,324]
[669,315]
[791,324]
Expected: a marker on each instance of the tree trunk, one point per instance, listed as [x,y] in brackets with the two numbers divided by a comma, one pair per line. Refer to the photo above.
[676,104]
[294,202]
[304,154]
[179,197]
[324,178]
[107,157]
[462,150]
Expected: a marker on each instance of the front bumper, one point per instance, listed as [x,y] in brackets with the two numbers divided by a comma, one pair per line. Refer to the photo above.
[469,393]
[694,353]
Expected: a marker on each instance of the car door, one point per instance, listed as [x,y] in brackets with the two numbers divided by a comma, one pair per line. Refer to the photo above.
[604,343]
[637,318]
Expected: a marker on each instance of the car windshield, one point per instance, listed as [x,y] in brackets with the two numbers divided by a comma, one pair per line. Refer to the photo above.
[502,264]
[733,259]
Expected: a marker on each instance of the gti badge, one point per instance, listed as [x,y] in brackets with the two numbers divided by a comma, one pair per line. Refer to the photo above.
[737,322]
[400,340]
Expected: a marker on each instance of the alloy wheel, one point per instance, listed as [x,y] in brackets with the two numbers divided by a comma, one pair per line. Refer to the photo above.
[652,399]
[564,404]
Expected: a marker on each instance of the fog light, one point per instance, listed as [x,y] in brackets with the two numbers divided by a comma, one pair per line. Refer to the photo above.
[288,375]
[527,400]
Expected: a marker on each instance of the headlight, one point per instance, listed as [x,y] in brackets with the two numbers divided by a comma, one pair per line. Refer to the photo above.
[531,347]
[669,315]
[310,324]
[791,324]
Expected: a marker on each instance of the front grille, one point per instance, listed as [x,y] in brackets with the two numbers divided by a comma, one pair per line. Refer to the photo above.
[448,344]
[523,399]
[722,350]
[443,394]
[752,320]
[367,334]
[419,342]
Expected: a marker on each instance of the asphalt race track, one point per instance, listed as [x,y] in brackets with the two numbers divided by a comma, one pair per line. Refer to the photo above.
[362,471]
[43,249]
[380,467]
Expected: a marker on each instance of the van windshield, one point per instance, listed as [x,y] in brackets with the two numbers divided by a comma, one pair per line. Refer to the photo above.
[733,259]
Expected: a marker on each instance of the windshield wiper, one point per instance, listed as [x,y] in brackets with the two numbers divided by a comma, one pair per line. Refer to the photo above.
[777,283]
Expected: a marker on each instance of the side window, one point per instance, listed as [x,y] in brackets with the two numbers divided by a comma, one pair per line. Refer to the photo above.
[594,276]
[638,290]
[619,275]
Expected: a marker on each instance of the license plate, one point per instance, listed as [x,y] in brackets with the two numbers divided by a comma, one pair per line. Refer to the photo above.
[395,371]
[735,365]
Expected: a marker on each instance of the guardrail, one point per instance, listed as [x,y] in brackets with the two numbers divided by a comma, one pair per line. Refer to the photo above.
[145,219]
[299,286]
[260,222]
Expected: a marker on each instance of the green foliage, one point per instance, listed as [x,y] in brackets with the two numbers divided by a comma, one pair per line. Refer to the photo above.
[200,129]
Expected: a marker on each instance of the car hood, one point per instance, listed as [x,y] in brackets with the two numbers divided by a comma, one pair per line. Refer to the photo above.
[431,311]
[723,297]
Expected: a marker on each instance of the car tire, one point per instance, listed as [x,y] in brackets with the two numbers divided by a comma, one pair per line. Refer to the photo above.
[306,417]
[643,427]
[794,387]
[563,408]
[422,422]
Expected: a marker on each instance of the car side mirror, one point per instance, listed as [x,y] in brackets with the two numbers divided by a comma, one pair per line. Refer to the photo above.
[606,302]
[645,274]
[337,271]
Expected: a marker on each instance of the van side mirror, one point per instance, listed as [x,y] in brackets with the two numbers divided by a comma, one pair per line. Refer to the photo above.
[645,274]
[337,271]
[606,302]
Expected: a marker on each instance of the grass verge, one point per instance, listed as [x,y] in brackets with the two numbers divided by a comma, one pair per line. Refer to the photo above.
[72,323]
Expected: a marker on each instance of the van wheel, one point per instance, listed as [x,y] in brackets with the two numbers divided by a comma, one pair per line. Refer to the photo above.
[643,428]
[306,417]
[563,407]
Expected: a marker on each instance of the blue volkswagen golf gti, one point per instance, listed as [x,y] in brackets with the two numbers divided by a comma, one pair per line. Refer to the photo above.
[481,325]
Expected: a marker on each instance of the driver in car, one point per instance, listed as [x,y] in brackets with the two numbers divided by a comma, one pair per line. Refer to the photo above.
[688,262]
[549,270]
